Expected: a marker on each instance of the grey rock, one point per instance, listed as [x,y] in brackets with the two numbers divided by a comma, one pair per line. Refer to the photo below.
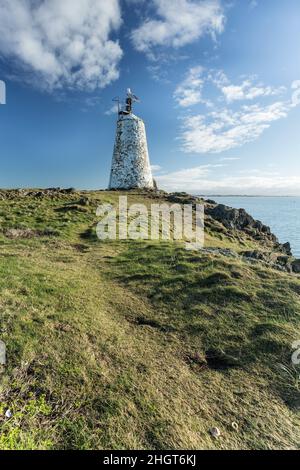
[296,266]
[8,413]
[215,432]
[239,219]
[182,198]
[256,255]
[285,262]
[68,191]
[210,201]
[286,248]
[281,263]
[14,233]
[84,201]
[221,251]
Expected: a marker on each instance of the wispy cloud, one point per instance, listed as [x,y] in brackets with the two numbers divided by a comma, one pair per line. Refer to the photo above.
[226,129]
[246,91]
[253,4]
[202,179]
[189,92]
[62,43]
[156,168]
[158,73]
[233,122]
[178,23]
[181,179]
[112,110]
[229,159]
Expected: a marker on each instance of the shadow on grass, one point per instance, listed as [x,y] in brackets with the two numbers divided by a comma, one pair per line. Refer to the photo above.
[233,320]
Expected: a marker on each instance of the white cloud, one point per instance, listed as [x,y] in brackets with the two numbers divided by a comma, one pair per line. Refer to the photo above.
[296,93]
[246,91]
[202,179]
[185,177]
[229,159]
[178,23]
[62,43]
[155,168]
[158,73]
[228,127]
[113,110]
[189,92]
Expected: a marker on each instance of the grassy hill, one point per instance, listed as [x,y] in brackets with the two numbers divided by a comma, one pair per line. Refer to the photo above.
[134,345]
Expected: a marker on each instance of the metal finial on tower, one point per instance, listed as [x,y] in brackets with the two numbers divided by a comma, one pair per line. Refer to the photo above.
[130,99]
[133,97]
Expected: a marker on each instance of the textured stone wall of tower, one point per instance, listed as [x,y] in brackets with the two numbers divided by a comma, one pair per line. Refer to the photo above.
[130,164]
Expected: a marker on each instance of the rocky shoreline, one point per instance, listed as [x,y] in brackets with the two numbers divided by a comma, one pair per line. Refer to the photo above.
[275,254]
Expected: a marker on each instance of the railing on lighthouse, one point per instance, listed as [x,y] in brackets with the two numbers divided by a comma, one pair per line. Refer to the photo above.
[125,109]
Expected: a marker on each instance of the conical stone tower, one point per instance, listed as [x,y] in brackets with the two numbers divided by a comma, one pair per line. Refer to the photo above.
[130,164]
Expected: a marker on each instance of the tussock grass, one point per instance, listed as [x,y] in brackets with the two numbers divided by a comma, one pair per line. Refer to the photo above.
[123,345]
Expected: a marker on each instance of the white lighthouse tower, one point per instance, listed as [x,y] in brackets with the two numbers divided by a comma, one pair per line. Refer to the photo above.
[130,164]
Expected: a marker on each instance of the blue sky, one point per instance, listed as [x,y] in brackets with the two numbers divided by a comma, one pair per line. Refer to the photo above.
[219,83]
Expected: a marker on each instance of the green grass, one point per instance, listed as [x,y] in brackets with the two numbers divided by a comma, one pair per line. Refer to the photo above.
[125,345]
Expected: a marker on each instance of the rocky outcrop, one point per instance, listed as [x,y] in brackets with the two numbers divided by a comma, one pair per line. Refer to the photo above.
[239,219]
[265,256]
[14,233]
[36,193]
[221,251]
[272,259]
[230,221]
[296,266]
[183,198]
[286,248]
